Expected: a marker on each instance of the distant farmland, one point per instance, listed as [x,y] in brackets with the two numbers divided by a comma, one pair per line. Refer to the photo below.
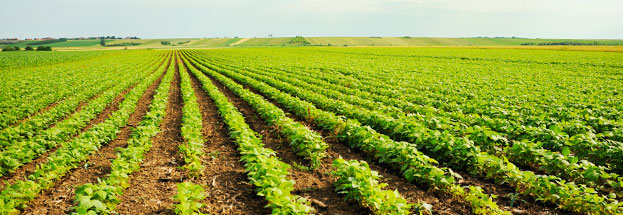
[318,41]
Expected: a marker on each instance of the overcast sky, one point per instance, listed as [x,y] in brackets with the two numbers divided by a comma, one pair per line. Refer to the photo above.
[257,18]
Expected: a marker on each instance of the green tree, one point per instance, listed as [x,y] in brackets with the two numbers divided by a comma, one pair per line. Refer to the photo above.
[10,48]
[102,42]
[44,48]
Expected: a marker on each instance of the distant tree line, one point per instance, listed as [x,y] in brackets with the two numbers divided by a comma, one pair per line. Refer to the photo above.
[569,43]
[28,48]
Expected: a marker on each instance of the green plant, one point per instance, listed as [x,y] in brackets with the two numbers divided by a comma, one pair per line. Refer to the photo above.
[17,194]
[102,198]
[264,170]
[357,182]
[189,196]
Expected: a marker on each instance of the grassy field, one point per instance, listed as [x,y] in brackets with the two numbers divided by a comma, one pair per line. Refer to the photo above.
[605,45]
[278,41]
[214,42]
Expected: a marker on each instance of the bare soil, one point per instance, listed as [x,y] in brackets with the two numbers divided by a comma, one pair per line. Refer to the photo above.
[317,185]
[29,168]
[154,184]
[442,204]
[59,198]
[224,178]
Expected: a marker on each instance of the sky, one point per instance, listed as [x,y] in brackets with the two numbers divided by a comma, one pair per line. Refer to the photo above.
[575,19]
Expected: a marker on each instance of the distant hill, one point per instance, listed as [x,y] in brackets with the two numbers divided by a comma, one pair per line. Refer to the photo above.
[310,41]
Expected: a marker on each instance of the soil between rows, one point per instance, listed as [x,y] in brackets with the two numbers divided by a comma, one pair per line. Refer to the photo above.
[335,202]
[154,184]
[29,168]
[507,198]
[318,184]
[225,180]
[522,205]
[59,198]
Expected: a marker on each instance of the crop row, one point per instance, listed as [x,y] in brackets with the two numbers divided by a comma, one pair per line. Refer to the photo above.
[23,152]
[310,145]
[527,153]
[462,152]
[20,98]
[400,155]
[264,169]
[580,138]
[387,85]
[70,154]
[190,194]
[584,133]
[32,126]
[306,143]
[358,182]
[192,148]
[102,198]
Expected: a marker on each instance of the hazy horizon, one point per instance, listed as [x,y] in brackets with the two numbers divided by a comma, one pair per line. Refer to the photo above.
[599,19]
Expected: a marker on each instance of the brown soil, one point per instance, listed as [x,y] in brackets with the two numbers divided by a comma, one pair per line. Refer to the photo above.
[521,204]
[312,185]
[59,198]
[154,184]
[318,184]
[29,168]
[225,180]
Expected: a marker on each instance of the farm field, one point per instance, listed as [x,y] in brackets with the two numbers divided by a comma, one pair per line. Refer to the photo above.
[185,43]
[312,130]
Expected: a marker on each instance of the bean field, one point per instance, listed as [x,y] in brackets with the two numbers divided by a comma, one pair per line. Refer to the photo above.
[312,130]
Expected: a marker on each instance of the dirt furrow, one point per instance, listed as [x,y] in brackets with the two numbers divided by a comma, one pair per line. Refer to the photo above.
[507,199]
[442,204]
[225,180]
[510,200]
[154,184]
[59,198]
[317,184]
[29,168]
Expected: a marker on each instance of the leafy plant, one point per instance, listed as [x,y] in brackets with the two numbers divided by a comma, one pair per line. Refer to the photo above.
[102,198]
[189,195]
[357,182]
[263,168]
